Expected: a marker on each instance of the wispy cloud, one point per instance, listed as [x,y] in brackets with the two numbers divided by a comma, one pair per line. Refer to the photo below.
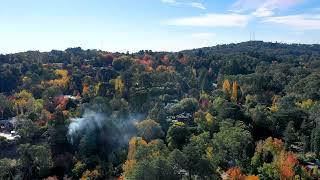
[280,4]
[197,5]
[263,12]
[169,1]
[212,20]
[299,22]
[245,5]
[263,8]
[203,35]
[191,4]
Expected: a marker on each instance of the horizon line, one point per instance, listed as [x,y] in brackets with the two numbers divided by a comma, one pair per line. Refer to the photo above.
[134,52]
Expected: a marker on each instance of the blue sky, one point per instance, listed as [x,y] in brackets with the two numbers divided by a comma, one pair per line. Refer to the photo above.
[170,25]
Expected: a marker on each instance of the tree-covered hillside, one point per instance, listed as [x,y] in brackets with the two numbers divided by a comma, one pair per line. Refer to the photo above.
[238,111]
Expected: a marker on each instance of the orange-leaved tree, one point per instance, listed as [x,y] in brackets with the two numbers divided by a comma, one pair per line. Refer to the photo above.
[234,95]
[286,161]
[226,87]
[235,173]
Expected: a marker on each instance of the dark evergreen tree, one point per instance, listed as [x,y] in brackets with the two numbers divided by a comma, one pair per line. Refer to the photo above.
[289,135]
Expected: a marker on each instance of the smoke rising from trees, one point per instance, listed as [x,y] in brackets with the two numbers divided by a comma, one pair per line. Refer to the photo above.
[114,130]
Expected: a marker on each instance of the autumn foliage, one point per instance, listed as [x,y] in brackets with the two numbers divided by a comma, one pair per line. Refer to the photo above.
[235,173]
[22,100]
[145,60]
[231,92]
[119,85]
[132,149]
[198,114]
[285,162]
[162,68]
[60,102]
[252,177]
[85,89]
[94,174]
[274,107]
[183,59]
[234,96]
[63,81]
[282,162]
[226,87]
[165,59]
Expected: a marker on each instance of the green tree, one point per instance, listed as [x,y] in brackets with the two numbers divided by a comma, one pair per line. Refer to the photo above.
[178,161]
[35,161]
[156,168]
[122,63]
[315,141]
[57,131]
[286,113]
[232,143]
[261,121]
[48,97]
[189,105]
[205,121]
[6,107]
[8,168]
[227,109]
[151,162]
[149,129]
[78,169]
[289,135]
[177,135]
[199,160]
[27,129]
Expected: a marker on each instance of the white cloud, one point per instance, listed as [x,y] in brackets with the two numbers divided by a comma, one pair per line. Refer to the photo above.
[280,4]
[263,12]
[197,5]
[263,8]
[300,22]
[191,4]
[245,5]
[203,35]
[212,20]
[169,1]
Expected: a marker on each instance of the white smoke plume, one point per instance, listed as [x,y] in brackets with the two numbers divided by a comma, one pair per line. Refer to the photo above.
[90,121]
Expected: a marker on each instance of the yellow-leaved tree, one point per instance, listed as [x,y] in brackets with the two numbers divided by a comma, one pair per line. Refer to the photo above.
[23,99]
[130,163]
[306,104]
[274,107]
[94,174]
[209,119]
[119,85]
[63,81]
[226,87]
[234,95]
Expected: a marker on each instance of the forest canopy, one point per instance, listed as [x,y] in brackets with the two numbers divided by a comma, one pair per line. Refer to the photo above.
[240,111]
